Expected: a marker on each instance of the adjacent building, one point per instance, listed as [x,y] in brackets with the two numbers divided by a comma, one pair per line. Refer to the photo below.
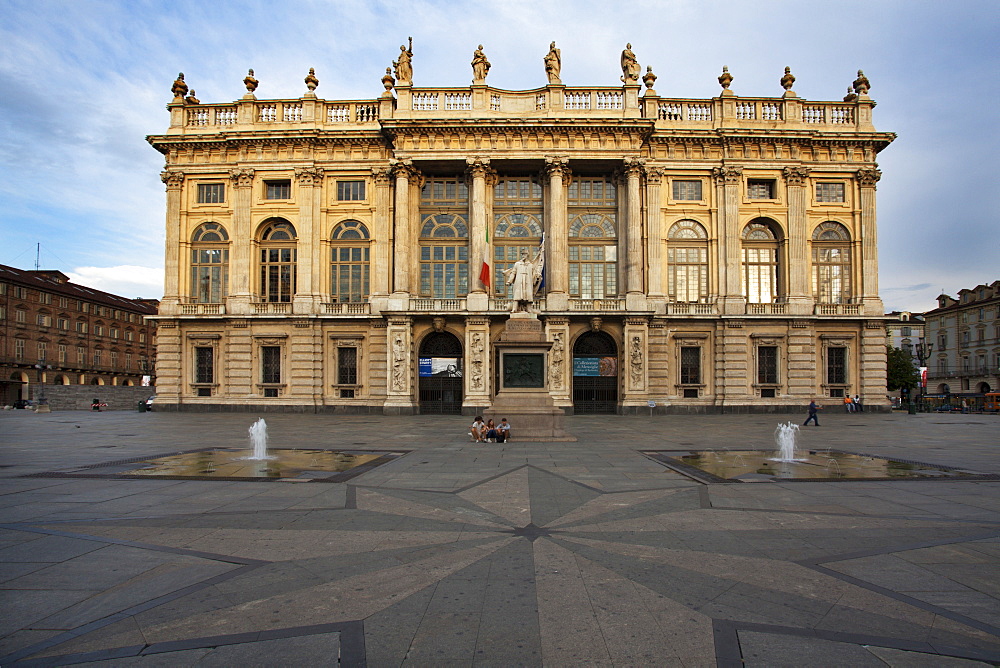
[55,332]
[965,333]
[349,255]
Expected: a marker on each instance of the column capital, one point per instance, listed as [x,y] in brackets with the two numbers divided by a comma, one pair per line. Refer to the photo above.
[633,167]
[795,176]
[869,177]
[381,175]
[654,175]
[405,169]
[479,167]
[173,179]
[556,165]
[727,175]
[241,178]
[309,176]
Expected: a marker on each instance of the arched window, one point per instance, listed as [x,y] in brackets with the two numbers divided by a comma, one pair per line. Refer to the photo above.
[349,258]
[444,256]
[277,261]
[593,250]
[515,232]
[761,261]
[209,264]
[687,262]
[831,263]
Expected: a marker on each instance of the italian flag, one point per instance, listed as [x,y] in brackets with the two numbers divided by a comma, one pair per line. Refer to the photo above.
[484,273]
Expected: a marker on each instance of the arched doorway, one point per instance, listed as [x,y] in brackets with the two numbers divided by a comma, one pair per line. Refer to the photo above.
[984,388]
[17,387]
[440,372]
[595,374]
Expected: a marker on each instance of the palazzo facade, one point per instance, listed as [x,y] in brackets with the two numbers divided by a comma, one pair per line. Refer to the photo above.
[700,254]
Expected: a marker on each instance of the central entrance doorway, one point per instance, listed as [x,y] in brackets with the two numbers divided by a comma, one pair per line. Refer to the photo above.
[595,374]
[440,374]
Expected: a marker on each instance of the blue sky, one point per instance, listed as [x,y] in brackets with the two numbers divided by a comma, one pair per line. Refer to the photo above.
[82,82]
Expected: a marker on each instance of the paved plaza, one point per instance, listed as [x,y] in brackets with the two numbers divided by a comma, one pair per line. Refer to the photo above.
[521,554]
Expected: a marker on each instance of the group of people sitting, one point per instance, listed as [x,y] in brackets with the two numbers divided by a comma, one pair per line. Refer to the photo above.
[488,432]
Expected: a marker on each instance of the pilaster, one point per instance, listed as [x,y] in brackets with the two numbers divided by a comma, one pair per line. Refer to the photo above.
[481,176]
[728,181]
[636,365]
[381,266]
[405,174]
[872,304]
[634,261]
[241,260]
[654,244]
[799,296]
[399,399]
[308,289]
[560,360]
[174,181]
[477,363]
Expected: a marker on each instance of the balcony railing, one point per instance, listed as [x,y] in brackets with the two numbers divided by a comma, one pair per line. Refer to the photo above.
[203,309]
[838,309]
[603,305]
[439,305]
[347,308]
[269,308]
[680,308]
[765,309]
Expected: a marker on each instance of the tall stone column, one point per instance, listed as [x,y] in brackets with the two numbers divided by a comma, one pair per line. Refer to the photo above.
[241,263]
[174,181]
[405,174]
[727,187]
[309,249]
[634,256]
[400,399]
[557,237]
[477,364]
[381,260]
[560,360]
[635,365]
[868,288]
[799,293]
[482,177]
[654,240]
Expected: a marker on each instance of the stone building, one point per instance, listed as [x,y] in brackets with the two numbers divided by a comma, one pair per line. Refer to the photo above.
[965,333]
[348,255]
[55,332]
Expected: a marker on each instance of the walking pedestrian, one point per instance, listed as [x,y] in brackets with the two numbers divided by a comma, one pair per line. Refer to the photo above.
[813,410]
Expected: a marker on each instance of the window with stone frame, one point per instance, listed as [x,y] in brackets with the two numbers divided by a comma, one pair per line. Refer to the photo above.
[278,189]
[836,365]
[687,262]
[761,189]
[350,249]
[347,369]
[690,366]
[767,365]
[686,190]
[209,264]
[211,193]
[593,237]
[270,365]
[277,261]
[517,213]
[350,191]
[761,261]
[204,364]
[830,191]
[831,264]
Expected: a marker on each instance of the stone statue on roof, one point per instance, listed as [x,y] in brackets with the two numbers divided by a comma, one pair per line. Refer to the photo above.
[480,65]
[404,66]
[553,64]
[630,66]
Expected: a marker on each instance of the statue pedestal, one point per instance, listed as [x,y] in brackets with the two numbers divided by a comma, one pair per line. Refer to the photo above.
[524,397]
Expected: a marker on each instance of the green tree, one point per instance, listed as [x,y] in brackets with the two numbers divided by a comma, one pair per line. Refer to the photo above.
[900,372]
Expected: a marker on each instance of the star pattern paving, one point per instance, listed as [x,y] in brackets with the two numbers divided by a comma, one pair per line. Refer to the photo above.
[524,568]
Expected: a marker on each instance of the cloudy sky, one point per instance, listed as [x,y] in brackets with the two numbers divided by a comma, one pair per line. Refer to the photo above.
[83,81]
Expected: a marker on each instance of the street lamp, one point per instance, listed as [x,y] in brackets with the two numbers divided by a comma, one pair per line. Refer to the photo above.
[923,352]
[43,402]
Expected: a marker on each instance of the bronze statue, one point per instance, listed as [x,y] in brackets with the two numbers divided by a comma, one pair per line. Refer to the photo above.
[480,65]
[630,66]
[404,66]
[553,64]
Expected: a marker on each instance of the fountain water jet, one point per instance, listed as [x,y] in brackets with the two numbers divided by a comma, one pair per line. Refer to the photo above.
[258,439]
[784,438]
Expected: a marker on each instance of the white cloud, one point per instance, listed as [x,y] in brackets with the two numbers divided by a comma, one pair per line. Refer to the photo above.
[124,280]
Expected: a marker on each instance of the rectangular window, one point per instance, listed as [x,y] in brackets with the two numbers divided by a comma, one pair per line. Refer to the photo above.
[836,366]
[270,364]
[128,361]
[350,191]
[829,192]
[42,350]
[942,342]
[211,193]
[114,359]
[81,327]
[63,302]
[81,355]
[44,320]
[687,190]
[114,332]
[691,365]
[3,288]
[44,298]
[97,358]
[906,331]
[347,366]
[63,324]
[760,188]
[204,364]
[767,365]
[19,349]
[62,355]
[278,189]
[444,192]
[21,315]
